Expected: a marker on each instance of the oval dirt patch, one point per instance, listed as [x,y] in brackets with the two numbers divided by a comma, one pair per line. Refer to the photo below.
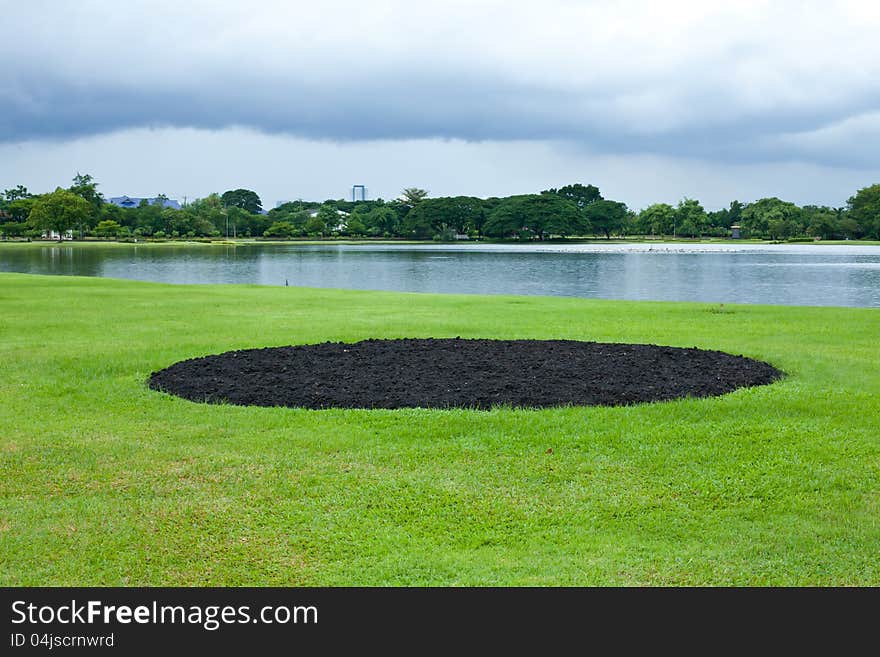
[450,373]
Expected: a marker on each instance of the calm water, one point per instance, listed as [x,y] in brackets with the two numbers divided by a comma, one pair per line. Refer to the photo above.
[776,274]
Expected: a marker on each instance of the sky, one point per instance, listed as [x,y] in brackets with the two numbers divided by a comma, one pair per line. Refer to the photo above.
[650,101]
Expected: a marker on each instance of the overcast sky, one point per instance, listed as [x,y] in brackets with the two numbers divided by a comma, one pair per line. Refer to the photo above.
[650,101]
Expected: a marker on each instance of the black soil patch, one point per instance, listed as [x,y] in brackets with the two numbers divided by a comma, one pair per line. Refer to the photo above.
[451,373]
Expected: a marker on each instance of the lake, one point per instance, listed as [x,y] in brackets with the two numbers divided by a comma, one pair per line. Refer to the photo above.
[789,274]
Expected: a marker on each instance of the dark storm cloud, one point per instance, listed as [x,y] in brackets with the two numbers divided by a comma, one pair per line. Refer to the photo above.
[472,76]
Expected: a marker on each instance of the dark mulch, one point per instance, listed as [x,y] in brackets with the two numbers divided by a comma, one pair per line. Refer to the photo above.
[449,373]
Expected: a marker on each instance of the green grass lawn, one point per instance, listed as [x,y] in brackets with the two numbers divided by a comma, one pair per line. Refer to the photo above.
[105,482]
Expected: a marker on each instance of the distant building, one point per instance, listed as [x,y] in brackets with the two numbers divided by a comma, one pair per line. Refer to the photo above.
[735,231]
[133,202]
[53,235]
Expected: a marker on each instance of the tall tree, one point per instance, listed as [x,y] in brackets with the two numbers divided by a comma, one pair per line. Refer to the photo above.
[20,208]
[59,211]
[382,220]
[17,192]
[244,199]
[606,217]
[690,217]
[580,195]
[864,207]
[734,213]
[539,214]
[657,219]
[86,188]
[771,216]
[412,196]
[431,216]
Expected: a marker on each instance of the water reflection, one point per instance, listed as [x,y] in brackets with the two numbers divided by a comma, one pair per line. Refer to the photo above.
[802,275]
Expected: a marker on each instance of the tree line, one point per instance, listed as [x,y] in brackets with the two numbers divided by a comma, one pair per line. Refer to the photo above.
[572,210]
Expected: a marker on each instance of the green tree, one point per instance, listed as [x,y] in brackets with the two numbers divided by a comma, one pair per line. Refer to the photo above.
[20,208]
[864,208]
[690,217]
[12,229]
[383,221]
[540,215]
[86,188]
[107,228]
[850,228]
[606,217]
[734,213]
[460,214]
[418,225]
[412,196]
[329,217]
[59,211]
[315,226]
[580,195]
[772,217]
[244,199]
[17,192]
[657,219]
[823,224]
[354,226]
[281,229]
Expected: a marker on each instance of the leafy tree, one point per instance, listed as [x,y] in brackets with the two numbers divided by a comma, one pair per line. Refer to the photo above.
[690,217]
[718,219]
[383,221]
[244,199]
[688,227]
[13,229]
[781,228]
[329,217]
[538,214]
[606,217]
[734,213]
[785,218]
[354,226]
[418,224]
[59,211]
[17,192]
[850,228]
[412,196]
[580,195]
[107,228]
[823,224]
[657,219]
[315,225]
[630,223]
[281,229]
[240,221]
[85,187]
[864,208]
[20,208]
[460,213]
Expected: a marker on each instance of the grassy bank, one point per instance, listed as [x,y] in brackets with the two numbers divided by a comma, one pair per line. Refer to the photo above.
[103,481]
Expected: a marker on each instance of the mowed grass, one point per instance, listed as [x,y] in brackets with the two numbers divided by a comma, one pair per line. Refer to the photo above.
[105,482]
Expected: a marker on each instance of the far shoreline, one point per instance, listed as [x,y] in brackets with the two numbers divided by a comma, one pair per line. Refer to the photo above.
[250,241]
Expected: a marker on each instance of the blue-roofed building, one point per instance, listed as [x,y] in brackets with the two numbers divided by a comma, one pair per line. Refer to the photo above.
[133,202]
